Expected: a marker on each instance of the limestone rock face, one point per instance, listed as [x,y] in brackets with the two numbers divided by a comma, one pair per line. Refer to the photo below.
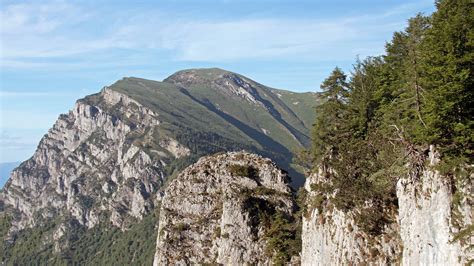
[427,223]
[332,237]
[427,220]
[214,211]
[88,167]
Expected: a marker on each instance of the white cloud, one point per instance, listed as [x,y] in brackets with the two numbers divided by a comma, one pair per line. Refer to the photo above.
[35,34]
[40,30]
[30,18]
[266,38]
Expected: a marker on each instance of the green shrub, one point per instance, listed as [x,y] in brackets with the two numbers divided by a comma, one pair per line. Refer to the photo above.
[181,227]
[217,232]
[244,170]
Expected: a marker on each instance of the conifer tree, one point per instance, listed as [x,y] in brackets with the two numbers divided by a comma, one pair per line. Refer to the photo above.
[403,58]
[449,61]
[329,122]
[362,101]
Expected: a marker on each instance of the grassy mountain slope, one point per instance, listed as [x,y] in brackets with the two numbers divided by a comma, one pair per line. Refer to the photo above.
[218,104]
[300,104]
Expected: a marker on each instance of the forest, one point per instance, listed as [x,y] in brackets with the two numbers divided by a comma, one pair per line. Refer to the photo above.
[384,115]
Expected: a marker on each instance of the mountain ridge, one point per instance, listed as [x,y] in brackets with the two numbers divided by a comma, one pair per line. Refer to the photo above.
[263,116]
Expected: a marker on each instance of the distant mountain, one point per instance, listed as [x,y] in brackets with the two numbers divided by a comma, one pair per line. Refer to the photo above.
[5,171]
[104,165]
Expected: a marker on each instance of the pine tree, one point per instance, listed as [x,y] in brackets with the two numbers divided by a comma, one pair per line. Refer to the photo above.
[448,56]
[330,119]
[416,30]
[362,101]
[405,108]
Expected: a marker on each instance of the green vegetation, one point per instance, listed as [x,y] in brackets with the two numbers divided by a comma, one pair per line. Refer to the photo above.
[217,233]
[283,241]
[206,117]
[209,88]
[243,170]
[180,227]
[29,247]
[464,234]
[392,108]
[282,231]
[4,227]
[101,245]
[300,103]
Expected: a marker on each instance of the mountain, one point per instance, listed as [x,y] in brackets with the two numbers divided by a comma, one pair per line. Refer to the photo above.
[5,171]
[103,166]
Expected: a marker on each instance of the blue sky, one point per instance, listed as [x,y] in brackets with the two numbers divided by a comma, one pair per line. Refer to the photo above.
[54,52]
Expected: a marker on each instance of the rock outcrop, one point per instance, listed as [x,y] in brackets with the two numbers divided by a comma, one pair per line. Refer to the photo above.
[426,226]
[332,237]
[429,219]
[88,165]
[219,210]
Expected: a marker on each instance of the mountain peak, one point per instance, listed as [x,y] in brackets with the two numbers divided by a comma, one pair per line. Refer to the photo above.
[200,76]
[221,80]
[209,73]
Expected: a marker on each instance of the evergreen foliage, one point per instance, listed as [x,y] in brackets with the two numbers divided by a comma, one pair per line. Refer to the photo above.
[101,245]
[449,61]
[392,108]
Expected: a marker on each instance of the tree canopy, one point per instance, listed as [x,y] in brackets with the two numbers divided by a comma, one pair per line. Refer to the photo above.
[386,113]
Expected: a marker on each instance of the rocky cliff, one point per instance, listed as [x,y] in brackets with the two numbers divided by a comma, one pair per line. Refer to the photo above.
[221,210]
[87,165]
[431,215]
[427,228]
[332,237]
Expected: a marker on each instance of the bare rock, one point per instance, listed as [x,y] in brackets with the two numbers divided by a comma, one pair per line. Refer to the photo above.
[217,211]
[88,167]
